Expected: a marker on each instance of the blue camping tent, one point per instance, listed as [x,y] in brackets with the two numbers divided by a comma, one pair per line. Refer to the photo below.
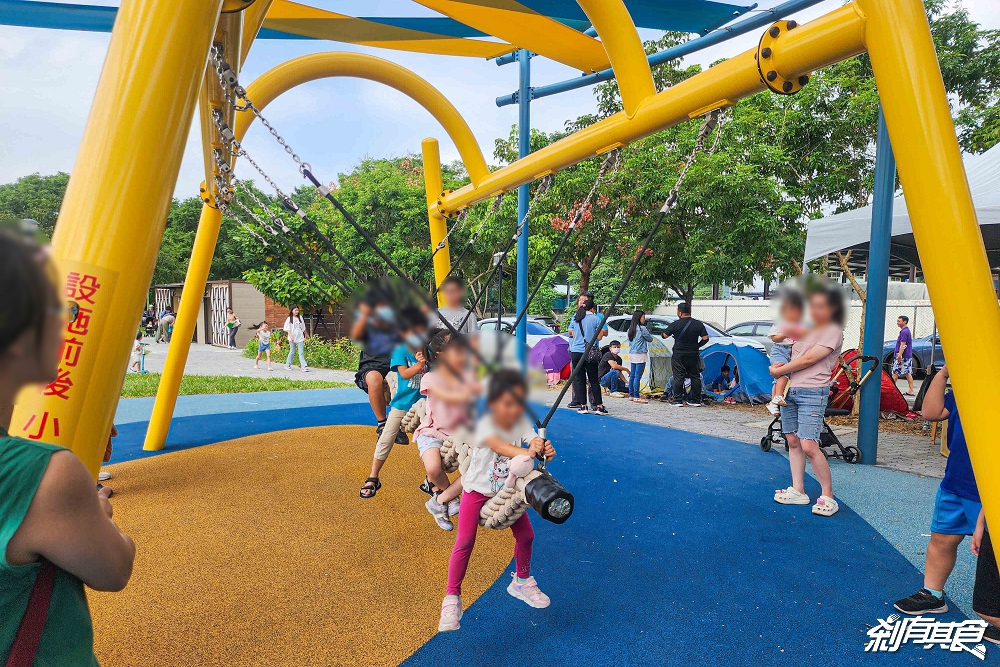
[747,363]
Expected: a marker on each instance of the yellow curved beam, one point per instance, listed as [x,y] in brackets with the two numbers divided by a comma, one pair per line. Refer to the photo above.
[513,22]
[297,71]
[617,31]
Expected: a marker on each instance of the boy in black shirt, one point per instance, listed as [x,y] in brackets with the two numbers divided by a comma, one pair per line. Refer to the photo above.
[611,371]
[689,335]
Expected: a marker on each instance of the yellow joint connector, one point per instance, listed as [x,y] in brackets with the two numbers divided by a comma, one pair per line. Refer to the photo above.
[775,82]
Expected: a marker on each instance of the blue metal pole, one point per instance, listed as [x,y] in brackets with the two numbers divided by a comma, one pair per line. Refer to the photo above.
[877,287]
[523,195]
[764,18]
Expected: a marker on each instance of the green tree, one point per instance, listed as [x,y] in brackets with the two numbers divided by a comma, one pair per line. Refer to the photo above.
[36,197]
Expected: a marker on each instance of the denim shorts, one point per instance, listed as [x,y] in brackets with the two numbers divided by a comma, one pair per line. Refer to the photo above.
[263,347]
[780,354]
[803,414]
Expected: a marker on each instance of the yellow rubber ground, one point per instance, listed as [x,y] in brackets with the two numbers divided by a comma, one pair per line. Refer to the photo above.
[258,551]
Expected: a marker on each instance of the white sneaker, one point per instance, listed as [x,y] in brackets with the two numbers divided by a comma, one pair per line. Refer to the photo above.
[826,506]
[583,410]
[305,369]
[103,476]
[288,368]
[529,592]
[439,512]
[453,506]
[692,405]
[451,613]
[790,496]
[772,407]
[678,404]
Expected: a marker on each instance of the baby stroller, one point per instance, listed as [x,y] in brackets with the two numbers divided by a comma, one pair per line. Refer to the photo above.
[841,400]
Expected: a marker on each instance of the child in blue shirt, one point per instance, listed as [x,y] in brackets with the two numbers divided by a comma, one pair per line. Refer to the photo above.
[407,361]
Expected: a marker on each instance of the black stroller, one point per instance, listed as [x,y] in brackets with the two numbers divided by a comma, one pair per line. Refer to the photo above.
[842,392]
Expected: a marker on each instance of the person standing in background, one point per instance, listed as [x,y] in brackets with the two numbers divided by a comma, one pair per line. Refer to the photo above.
[638,354]
[233,325]
[902,361]
[685,360]
[295,329]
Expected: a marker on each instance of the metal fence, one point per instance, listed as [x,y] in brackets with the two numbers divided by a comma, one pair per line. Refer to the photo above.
[726,314]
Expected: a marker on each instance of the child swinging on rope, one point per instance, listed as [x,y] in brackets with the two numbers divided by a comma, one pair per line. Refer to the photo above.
[408,363]
[450,394]
[501,435]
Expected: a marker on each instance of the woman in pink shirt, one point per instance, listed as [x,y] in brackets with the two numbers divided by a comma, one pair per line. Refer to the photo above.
[814,357]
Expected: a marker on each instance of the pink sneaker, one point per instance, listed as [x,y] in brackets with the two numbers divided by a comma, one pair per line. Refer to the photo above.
[451,613]
[528,591]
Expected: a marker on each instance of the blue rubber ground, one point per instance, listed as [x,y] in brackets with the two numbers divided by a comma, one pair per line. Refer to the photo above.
[675,553]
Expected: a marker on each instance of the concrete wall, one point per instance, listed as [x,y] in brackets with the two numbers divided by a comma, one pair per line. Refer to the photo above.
[248,304]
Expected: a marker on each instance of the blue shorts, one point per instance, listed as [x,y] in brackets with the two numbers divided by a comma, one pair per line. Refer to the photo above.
[803,414]
[954,515]
[780,354]
[263,347]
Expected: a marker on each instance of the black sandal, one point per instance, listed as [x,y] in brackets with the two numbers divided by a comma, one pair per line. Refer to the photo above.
[370,491]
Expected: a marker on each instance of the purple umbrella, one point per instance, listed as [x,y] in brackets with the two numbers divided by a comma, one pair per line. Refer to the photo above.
[552,354]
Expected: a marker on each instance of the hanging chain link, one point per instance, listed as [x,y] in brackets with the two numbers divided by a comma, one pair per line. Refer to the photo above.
[236,95]
[714,119]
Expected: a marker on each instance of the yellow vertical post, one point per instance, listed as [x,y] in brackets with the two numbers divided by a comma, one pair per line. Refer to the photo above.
[114,211]
[187,317]
[434,185]
[228,36]
[943,218]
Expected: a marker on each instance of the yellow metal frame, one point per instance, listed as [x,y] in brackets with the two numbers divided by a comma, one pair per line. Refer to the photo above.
[113,214]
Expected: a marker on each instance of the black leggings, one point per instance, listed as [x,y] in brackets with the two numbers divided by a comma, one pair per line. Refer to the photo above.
[588,375]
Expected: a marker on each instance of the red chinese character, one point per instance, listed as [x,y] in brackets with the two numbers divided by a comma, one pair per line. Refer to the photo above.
[71,351]
[60,386]
[81,325]
[41,426]
[81,288]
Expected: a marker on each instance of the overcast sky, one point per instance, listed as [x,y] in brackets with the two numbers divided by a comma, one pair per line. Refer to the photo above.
[48,78]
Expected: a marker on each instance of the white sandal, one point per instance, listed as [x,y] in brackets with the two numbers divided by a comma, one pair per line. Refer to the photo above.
[790,496]
[826,506]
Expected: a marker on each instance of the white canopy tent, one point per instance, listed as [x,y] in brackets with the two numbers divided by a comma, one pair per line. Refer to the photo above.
[852,229]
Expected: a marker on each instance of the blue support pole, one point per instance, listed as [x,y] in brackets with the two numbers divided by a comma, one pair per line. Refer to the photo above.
[523,195]
[878,285]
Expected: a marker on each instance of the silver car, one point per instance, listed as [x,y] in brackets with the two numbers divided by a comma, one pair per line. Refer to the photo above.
[757,330]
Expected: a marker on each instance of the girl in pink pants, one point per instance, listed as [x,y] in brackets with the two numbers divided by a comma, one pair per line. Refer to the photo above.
[501,434]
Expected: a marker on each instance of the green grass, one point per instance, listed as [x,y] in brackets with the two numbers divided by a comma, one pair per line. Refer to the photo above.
[340,355]
[137,385]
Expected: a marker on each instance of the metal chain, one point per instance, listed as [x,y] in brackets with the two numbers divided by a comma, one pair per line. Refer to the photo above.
[234,92]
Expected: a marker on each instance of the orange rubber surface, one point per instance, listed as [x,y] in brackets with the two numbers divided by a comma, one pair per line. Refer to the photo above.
[258,551]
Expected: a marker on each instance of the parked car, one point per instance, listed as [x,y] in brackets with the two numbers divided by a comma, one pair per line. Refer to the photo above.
[536,330]
[921,353]
[757,330]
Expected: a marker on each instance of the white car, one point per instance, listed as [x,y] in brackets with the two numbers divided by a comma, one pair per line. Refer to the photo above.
[536,330]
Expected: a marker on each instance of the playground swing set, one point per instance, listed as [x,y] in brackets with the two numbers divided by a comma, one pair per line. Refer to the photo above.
[159,65]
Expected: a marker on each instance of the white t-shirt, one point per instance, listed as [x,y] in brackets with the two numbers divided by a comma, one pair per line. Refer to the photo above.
[779,329]
[296,329]
[488,470]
